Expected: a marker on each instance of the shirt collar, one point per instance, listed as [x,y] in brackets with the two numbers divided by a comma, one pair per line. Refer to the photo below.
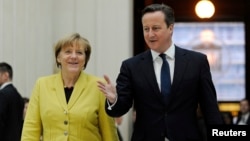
[246,115]
[169,52]
[5,84]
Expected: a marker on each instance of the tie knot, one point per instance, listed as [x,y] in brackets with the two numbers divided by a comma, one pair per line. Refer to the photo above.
[163,56]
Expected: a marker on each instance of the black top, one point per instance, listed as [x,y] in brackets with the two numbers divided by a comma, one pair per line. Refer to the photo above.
[68,92]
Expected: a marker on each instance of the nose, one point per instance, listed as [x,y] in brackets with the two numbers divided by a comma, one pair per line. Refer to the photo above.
[73,54]
[151,33]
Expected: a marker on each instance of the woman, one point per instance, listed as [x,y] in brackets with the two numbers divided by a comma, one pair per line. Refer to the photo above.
[68,106]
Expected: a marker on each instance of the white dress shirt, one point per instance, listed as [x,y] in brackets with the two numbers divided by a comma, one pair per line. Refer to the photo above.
[5,84]
[244,118]
[170,55]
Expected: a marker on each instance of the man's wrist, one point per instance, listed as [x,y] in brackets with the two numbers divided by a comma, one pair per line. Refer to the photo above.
[110,105]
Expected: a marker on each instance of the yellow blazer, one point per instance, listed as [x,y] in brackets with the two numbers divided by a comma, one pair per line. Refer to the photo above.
[82,119]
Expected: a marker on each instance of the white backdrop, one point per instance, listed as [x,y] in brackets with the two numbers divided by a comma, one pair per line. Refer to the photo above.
[29,28]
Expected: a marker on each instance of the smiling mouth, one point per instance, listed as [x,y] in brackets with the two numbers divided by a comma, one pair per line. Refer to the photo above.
[73,63]
[153,41]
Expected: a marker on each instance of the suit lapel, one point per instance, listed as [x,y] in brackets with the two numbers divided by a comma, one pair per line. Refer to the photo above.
[180,67]
[147,68]
[78,88]
[60,94]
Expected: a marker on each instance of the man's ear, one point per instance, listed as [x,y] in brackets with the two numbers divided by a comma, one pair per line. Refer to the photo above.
[171,27]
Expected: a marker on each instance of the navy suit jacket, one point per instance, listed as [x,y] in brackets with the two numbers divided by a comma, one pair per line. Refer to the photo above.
[174,116]
[11,114]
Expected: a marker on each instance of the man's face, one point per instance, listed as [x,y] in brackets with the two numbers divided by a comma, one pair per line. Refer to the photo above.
[156,33]
[244,106]
[3,77]
[1,81]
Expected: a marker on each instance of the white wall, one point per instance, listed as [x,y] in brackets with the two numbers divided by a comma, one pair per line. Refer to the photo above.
[29,28]
[25,40]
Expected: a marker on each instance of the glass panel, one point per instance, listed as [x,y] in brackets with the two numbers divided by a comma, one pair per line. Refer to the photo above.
[224,45]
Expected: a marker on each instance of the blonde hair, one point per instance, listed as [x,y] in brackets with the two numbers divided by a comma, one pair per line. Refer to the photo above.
[69,41]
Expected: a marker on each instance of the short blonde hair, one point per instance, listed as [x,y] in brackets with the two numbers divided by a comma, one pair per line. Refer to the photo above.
[68,41]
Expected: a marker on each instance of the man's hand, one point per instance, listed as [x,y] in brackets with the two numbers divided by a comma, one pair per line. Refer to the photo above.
[108,89]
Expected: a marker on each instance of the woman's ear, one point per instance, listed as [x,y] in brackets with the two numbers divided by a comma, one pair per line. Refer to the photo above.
[58,59]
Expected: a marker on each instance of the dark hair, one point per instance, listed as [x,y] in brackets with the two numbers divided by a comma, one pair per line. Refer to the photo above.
[245,99]
[26,99]
[165,9]
[5,67]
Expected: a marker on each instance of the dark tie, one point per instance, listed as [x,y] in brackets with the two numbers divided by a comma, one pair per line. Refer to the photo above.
[165,76]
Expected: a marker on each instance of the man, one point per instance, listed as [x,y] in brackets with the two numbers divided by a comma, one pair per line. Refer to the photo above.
[163,112]
[244,115]
[11,106]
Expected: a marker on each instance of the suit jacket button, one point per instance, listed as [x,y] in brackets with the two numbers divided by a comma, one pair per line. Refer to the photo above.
[65,122]
[65,112]
[65,133]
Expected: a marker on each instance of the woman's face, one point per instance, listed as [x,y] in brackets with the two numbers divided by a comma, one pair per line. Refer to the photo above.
[72,58]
